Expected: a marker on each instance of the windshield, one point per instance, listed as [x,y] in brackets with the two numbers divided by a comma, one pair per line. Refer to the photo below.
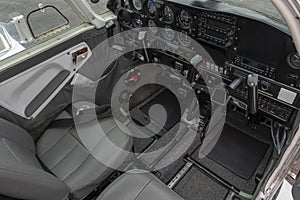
[265,7]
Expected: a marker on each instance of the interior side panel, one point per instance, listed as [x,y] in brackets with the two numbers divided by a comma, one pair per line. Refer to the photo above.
[37,124]
[24,89]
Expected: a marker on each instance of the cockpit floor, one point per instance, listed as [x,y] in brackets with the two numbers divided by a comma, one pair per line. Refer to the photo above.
[245,185]
[197,186]
[238,152]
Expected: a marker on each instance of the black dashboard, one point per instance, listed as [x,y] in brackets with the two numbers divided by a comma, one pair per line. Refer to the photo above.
[238,44]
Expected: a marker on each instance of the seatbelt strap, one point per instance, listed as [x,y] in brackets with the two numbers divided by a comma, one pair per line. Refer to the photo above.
[87,115]
[83,116]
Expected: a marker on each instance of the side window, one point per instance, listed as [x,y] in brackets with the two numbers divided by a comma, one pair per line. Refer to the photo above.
[46,19]
[99,7]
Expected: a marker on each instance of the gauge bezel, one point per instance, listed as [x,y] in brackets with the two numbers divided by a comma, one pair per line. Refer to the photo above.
[151,15]
[117,6]
[133,6]
[134,23]
[164,14]
[150,28]
[182,25]
[124,13]
[169,38]
[180,39]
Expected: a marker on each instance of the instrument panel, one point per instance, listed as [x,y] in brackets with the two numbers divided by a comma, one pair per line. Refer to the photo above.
[237,44]
[216,29]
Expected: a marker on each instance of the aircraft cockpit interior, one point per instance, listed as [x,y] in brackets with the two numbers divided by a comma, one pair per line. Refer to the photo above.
[195,100]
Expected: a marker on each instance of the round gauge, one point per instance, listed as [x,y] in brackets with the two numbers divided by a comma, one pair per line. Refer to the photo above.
[184,39]
[152,26]
[168,15]
[124,17]
[137,5]
[294,60]
[151,8]
[117,6]
[185,19]
[168,34]
[137,21]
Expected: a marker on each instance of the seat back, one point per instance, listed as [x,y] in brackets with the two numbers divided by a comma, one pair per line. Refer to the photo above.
[21,174]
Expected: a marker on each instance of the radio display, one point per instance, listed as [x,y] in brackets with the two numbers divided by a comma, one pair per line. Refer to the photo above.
[217,24]
[254,64]
[215,34]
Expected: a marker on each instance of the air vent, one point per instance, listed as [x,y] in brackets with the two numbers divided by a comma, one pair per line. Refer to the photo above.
[294,60]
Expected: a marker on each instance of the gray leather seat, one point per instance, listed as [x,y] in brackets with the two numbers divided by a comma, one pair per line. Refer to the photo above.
[76,167]
[21,174]
[138,185]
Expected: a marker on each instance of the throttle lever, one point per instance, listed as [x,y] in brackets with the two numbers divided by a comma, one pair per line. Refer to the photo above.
[252,83]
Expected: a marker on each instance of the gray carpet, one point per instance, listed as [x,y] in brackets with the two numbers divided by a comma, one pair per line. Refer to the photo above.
[196,186]
[167,173]
[170,146]
[248,186]
[238,152]
[140,144]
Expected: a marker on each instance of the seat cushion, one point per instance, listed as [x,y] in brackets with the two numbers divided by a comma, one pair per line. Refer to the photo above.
[138,185]
[21,174]
[81,156]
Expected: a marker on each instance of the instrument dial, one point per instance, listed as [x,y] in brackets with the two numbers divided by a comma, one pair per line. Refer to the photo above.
[184,39]
[185,19]
[137,21]
[169,34]
[151,9]
[152,26]
[117,6]
[137,5]
[168,15]
[124,17]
